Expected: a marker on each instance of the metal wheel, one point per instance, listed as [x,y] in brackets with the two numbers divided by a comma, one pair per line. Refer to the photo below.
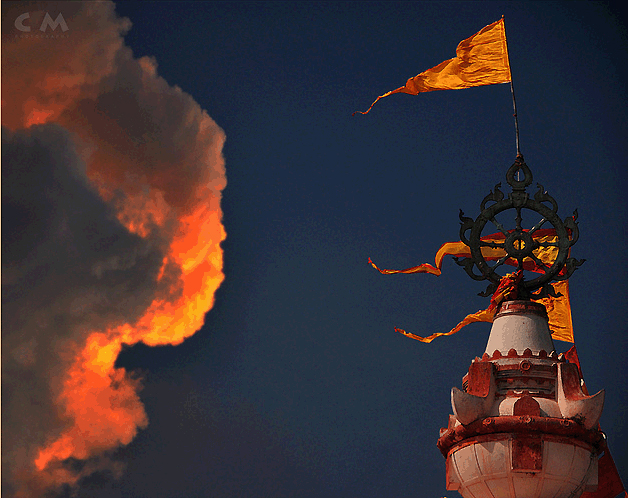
[546,258]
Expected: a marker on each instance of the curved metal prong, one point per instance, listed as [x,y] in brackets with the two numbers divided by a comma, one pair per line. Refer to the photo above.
[468,264]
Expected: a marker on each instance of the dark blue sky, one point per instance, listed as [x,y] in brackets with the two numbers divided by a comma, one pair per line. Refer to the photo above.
[297,385]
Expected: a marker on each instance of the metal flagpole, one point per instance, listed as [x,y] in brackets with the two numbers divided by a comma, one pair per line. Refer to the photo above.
[514,102]
[514,105]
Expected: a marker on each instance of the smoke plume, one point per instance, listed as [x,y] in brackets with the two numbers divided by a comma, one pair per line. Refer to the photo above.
[111,230]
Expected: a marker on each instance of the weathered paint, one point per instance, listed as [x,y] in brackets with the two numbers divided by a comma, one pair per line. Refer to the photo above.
[522,425]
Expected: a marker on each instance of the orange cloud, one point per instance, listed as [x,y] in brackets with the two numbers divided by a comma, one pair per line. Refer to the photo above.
[115,181]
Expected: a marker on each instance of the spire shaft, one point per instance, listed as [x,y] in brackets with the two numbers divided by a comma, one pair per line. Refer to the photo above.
[512,91]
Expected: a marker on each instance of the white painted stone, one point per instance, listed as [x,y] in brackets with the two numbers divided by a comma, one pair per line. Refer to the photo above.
[518,332]
[484,470]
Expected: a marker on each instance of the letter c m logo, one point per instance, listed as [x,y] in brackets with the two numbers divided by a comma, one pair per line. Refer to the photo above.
[19,22]
[59,21]
[48,22]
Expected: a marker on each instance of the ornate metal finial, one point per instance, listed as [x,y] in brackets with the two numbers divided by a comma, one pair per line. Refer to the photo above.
[547,256]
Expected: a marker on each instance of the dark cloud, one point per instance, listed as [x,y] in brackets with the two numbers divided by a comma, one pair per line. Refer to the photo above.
[111,187]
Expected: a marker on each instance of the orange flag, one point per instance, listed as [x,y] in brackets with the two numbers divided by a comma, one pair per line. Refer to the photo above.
[458,249]
[558,308]
[559,312]
[507,289]
[481,59]
[461,250]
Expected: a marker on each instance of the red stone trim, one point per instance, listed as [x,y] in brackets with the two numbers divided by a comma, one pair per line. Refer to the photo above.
[519,424]
[521,308]
[486,438]
[527,353]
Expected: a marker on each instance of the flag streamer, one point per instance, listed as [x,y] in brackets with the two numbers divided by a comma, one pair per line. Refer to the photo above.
[507,289]
[558,308]
[481,59]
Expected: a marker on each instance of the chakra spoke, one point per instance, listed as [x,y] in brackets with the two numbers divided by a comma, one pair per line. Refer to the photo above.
[499,226]
[539,262]
[518,219]
[500,262]
[494,245]
[537,226]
